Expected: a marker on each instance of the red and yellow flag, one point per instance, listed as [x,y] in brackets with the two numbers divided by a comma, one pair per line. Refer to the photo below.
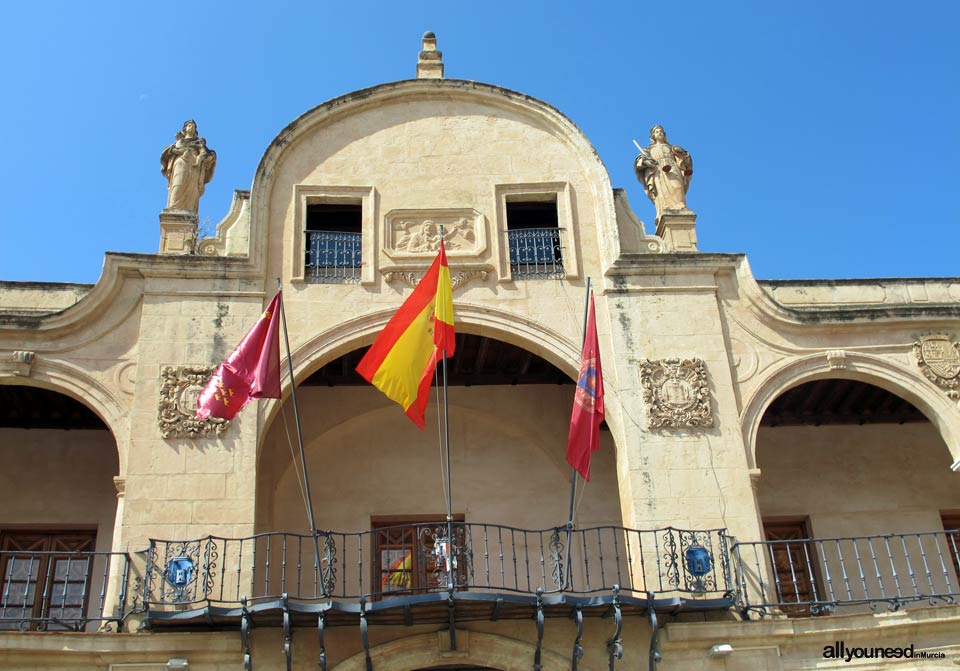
[401,361]
[251,371]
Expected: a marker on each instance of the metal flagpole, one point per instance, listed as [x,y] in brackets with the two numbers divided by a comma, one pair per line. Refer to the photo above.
[446,441]
[296,415]
[573,480]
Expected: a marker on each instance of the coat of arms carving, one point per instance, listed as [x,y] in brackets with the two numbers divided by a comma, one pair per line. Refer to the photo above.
[180,386]
[676,393]
[939,359]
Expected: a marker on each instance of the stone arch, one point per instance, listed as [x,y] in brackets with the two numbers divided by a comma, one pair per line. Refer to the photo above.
[69,381]
[880,372]
[473,648]
[344,422]
[359,332]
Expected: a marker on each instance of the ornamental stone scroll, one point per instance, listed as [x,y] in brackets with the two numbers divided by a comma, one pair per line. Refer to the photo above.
[676,393]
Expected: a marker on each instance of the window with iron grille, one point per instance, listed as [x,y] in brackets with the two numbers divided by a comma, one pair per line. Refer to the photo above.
[46,576]
[333,242]
[533,234]
[409,555]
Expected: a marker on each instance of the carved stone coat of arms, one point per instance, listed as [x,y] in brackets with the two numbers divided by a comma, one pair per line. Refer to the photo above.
[676,393]
[939,359]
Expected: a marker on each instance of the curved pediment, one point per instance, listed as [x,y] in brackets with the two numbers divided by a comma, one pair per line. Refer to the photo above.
[414,153]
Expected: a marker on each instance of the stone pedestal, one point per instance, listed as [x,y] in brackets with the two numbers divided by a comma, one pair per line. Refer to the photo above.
[178,232]
[678,230]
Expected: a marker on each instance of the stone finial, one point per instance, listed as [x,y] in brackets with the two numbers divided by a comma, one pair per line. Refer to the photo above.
[430,61]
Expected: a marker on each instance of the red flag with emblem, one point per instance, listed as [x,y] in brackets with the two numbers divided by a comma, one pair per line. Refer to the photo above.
[584,437]
[251,371]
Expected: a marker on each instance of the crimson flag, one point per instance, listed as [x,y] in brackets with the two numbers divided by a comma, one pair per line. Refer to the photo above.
[251,371]
[584,437]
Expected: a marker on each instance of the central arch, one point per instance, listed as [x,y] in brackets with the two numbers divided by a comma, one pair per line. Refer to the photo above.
[474,649]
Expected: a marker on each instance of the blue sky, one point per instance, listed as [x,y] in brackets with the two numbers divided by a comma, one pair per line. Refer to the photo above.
[824,135]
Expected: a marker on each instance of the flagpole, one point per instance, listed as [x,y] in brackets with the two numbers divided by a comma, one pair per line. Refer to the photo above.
[296,416]
[573,480]
[446,441]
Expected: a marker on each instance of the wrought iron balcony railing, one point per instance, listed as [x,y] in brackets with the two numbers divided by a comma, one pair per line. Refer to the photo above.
[71,591]
[417,559]
[333,257]
[815,576]
[535,253]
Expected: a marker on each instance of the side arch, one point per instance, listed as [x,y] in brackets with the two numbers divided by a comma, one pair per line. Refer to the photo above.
[426,650]
[868,368]
[65,379]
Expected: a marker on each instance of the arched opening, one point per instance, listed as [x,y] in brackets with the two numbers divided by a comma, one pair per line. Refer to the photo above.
[371,468]
[865,473]
[509,417]
[58,506]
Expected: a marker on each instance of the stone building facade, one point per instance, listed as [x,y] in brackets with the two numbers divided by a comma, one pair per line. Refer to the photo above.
[777,474]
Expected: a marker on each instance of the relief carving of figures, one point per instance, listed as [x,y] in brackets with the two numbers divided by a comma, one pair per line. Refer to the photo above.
[939,359]
[425,236]
[676,393]
[180,386]
[665,171]
[188,166]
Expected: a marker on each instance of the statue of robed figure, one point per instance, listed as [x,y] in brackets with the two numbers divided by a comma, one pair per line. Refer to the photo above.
[664,170]
[188,165]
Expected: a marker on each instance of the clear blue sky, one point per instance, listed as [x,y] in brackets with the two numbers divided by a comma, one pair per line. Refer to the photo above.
[824,135]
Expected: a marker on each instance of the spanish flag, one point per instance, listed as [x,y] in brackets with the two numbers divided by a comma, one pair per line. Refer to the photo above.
[401,361]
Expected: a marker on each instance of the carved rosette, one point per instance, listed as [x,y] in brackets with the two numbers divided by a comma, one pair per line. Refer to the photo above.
[676,393]
[179,388]
[939,360]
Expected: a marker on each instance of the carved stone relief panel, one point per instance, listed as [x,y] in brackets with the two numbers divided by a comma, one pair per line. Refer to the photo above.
[676,393]
[414,234]
[939,360]
[179,388]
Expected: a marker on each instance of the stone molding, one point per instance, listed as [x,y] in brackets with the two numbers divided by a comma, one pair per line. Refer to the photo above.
[179,388]
[457,279]
[939,360]
[676,393]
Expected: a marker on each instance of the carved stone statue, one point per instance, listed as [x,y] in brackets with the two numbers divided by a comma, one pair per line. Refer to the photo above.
[665,171]
[188,165]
